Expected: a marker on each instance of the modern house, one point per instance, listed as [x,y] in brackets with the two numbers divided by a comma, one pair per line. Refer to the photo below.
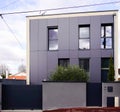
[86,39]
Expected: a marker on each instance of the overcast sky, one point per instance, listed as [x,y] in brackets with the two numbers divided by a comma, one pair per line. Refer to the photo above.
[13,39]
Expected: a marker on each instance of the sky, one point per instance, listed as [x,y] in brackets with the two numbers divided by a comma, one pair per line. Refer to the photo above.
[13,26]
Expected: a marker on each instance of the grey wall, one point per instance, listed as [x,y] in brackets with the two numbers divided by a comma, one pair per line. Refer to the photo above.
[114,93]
[42,61]
[63,95]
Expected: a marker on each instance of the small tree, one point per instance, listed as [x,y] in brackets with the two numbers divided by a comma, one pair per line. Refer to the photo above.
[70,73]
[3,69]
[22,68]
[111,70]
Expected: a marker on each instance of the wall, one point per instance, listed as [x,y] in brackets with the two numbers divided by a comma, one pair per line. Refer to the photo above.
[63,95]
[12,82]
[114,93]
[21,97]
[42,61]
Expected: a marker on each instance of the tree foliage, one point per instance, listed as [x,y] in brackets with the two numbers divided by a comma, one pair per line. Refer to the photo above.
[3,70]
[3,76]
[70,73]
[111,72]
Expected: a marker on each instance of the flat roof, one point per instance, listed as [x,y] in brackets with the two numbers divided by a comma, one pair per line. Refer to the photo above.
[74,14]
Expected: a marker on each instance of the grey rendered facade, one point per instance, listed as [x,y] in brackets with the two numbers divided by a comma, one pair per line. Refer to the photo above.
[43,61]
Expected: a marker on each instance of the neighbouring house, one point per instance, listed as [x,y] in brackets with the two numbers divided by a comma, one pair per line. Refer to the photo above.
[86,39]
[18,76]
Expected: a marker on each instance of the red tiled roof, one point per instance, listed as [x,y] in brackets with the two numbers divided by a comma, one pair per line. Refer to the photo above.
[19,76]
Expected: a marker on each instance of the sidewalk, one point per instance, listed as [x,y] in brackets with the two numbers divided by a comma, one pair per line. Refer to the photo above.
[87,109]
[21,111]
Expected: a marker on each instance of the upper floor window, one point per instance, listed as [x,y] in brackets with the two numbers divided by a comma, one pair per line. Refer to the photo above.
[84,37]
[63,62]
[53,38]
[106,36]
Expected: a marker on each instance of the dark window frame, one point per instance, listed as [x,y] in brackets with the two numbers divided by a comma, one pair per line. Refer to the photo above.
[105,68]
[82,38]
[105,37]
[48,29]
[103,60]
[64,59]
[88,71]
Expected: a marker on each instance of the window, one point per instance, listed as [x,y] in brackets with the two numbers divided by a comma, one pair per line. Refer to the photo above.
[84,64]
[106,36]
[104,69]
[53,38]
[63,62]
[84,37]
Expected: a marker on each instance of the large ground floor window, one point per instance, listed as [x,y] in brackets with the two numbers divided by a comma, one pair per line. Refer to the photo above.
[84,64]
[63,62]
[104,69]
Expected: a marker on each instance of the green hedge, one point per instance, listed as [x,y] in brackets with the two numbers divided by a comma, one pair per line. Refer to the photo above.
[70,73]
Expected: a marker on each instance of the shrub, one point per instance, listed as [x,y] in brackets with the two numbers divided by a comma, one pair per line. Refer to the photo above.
[70,73]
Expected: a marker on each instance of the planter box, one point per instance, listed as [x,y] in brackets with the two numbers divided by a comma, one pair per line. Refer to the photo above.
[63,95]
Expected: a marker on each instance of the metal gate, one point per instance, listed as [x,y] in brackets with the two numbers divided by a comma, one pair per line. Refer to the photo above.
[110,101]
[21,96]
[94,94]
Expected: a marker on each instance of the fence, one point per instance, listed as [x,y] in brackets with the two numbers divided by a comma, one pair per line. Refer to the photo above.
[12,82]
[30,96]
[94,94]
[21,97]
